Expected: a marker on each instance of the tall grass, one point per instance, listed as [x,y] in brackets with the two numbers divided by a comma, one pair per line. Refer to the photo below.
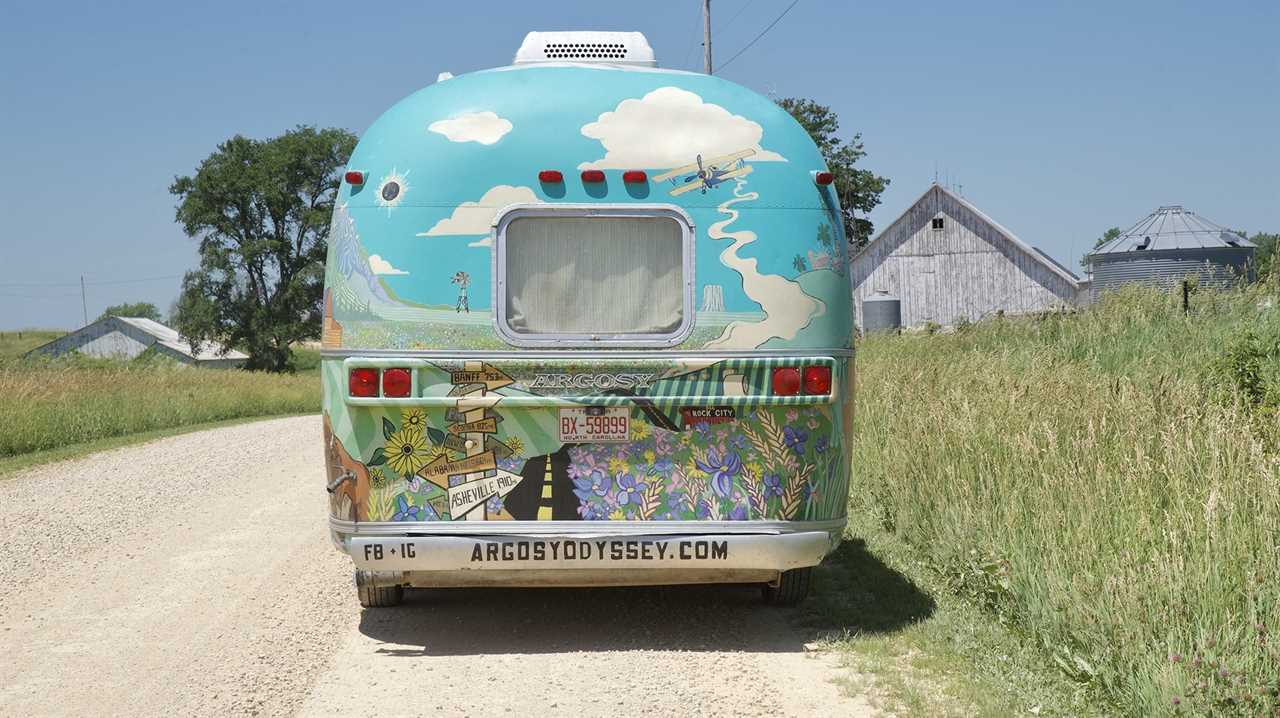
[55,404]
[1101,481]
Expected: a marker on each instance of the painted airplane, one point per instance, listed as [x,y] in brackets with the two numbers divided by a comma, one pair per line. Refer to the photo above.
[705,176]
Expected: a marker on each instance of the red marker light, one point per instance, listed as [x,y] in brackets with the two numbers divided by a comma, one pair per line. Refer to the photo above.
[363,382]
[824,178]
[786,381]
[550,176]
[396,383]
[634,177]
[817,380]
[354,177]
[592,175]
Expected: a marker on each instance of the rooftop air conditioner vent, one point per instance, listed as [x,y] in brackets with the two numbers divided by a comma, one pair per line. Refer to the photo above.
[612,48]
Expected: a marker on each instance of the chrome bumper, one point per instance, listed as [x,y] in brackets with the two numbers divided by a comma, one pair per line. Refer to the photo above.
[770,552]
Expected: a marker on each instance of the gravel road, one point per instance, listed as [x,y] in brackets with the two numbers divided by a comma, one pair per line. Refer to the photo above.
[168,579]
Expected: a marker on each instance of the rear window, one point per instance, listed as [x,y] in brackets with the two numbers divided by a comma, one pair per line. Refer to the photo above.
[594,276]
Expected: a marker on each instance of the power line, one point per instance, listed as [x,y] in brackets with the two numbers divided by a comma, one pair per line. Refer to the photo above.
[91,284]
[689,53]
[736,14]
[762,34]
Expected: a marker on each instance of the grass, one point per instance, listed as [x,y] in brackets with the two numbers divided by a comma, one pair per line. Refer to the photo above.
[54,407]
[17,343]
[915,648]
[1106,484]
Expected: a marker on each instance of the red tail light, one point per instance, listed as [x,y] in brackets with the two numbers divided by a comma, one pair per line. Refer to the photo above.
[396,383]
[817,380]
[363,382]
[353,177]
[634,177]
[592,175]
[786,381]
[824,178]
[550,176]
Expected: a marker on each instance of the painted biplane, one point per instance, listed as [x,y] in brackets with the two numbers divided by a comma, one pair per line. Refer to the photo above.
[706,174]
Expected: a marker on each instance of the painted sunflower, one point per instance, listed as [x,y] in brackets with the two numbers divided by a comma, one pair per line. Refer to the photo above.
[377,478]
[407,451]
[516,445]
[414,418]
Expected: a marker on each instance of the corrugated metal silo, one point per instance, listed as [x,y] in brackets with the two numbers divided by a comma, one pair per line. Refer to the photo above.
[1166,246]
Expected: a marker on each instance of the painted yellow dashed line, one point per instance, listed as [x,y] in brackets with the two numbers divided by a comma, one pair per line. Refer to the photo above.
[544,509]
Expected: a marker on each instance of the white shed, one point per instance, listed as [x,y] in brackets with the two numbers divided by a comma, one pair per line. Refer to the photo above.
[946,262]
[127,337]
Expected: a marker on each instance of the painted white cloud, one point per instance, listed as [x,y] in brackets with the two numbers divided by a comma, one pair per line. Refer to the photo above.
[486,242]
[483,127]
[669,127]
[382,266]
[477,217]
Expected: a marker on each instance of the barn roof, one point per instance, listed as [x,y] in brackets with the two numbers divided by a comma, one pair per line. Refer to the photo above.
[1172,227]
[169,338]
[1033,252]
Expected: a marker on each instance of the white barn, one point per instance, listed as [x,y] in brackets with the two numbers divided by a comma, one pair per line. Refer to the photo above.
[127,337]
[946,262]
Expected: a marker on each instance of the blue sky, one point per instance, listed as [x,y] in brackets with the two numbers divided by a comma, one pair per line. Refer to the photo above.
[1057,119]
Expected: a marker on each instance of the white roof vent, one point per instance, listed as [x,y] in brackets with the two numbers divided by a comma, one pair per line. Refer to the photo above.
[609,48]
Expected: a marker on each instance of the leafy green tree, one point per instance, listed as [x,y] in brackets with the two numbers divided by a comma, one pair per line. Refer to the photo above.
[858,189]
[145,310]
[800,264]
[1264,257]
[1107,236]
[261,211]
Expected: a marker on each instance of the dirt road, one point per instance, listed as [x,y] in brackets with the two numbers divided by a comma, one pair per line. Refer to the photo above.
[170,579]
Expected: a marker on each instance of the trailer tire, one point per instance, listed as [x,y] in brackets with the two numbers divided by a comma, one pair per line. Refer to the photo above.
[373,596]
[792,588]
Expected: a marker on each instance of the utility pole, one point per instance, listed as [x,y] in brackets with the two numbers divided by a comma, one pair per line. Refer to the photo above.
[84,305]
[706,36]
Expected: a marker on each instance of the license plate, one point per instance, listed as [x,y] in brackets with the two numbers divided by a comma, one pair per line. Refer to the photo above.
[595,424]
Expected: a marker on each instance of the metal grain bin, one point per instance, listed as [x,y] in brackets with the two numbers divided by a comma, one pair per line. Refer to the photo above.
[881,312]
[1166,246]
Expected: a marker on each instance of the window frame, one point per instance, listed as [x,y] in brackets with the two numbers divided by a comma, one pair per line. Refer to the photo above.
[498,234]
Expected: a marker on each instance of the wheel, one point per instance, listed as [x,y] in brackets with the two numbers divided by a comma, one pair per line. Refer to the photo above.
[375,596]
[792,587]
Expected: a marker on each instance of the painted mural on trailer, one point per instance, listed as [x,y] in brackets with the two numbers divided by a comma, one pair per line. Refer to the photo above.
[410,267]
[697,445]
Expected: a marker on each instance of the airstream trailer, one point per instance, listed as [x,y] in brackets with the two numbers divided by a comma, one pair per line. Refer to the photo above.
[586,322]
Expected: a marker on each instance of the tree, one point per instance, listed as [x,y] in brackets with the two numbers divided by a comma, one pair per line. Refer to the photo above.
[800,264]
[1107,236]
[857,189]
[261,211]
[145,310]
[1264,257]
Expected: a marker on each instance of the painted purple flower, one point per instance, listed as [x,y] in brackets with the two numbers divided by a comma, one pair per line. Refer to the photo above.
[663,466]
[703,511]
[739,442]
[593,511]
[663,441]
[629,489]
[722,468]
[739,513]
[405,512]
[772,486]
[597,483]
[581,466]
[821,445]
[794,439]
[675,500]
[494,504]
